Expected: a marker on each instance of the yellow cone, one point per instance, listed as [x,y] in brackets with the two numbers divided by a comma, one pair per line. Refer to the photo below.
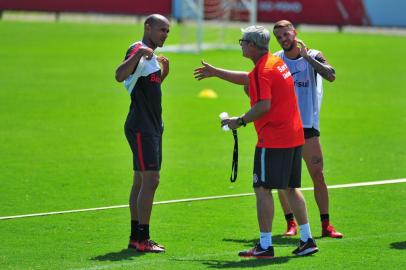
[207,93]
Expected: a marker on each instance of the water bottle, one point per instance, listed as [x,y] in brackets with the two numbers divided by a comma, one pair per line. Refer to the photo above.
[223,116]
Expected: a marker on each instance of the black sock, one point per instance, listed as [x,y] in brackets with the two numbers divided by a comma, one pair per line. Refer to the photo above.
[143,232]
[134,228]
[289,217]
[324,217]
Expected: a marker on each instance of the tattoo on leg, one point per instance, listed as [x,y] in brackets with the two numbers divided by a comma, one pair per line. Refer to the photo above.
[316,160]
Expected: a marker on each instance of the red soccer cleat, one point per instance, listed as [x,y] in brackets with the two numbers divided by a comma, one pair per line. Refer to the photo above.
[146,246]
[132,244]
[292,228]
[329,231]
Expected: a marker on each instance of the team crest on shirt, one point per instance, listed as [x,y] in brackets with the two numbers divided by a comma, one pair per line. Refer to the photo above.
[255,178]
[300,66]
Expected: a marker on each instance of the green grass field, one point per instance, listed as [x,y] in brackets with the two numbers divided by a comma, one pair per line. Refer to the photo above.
[62,147]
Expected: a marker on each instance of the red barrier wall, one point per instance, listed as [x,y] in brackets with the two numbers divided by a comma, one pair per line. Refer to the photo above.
[330,12]
[142,7]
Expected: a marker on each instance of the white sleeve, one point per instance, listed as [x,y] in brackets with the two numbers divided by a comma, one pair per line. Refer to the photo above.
[131,80]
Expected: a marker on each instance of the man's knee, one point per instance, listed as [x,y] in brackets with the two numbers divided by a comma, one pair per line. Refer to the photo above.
[288,191]
[137,176]
[150,180]
[155,184]
[292,194]
[262,193]
[317,176]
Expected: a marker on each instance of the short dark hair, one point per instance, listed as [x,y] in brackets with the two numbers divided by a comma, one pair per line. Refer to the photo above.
[282,24]
[154,18]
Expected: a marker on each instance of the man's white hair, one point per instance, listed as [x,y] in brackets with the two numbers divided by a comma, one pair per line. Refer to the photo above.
[258,35]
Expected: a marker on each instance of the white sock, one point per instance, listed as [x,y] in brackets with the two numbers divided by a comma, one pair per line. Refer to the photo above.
[305,232]
[265,240]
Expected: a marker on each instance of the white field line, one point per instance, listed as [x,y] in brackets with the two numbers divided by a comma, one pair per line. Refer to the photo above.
[361,184]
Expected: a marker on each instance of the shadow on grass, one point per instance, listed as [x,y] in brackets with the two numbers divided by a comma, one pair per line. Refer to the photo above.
[276,240]
[247,263]
[124,254]
[326,237]
[243,263]
[398,245]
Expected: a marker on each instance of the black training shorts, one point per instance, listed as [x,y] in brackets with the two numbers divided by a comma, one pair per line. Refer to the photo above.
[146,148]
[311,132]
[277,168]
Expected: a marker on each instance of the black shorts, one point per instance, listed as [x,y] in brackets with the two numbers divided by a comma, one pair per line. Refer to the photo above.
[147,150]
[277,168]
[311,132]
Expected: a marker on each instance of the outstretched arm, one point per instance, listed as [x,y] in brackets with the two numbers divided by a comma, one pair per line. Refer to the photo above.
[207,71]
[319,63]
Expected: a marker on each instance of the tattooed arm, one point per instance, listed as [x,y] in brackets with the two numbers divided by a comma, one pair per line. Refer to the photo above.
[319,63]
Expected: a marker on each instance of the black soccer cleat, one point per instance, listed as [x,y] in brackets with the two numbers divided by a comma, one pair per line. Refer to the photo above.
[258,252]
[306,248]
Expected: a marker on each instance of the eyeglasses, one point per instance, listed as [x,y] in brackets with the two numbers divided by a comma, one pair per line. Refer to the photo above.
[243,40]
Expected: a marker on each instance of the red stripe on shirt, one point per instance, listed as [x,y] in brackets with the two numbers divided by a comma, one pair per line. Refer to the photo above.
[140,155]
[135,49]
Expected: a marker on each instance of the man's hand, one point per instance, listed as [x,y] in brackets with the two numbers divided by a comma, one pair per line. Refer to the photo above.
[319,64]
[231,122]
[163,61]
[206,71]
[147,52]
[128,66]
[165,65]
[303,48]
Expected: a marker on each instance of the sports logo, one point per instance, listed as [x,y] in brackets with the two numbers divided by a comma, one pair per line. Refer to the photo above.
[296,72]
[300,66]
[256,253]
[302,83]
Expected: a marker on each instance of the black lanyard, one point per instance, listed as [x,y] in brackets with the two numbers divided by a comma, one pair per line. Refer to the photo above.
[234,166]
